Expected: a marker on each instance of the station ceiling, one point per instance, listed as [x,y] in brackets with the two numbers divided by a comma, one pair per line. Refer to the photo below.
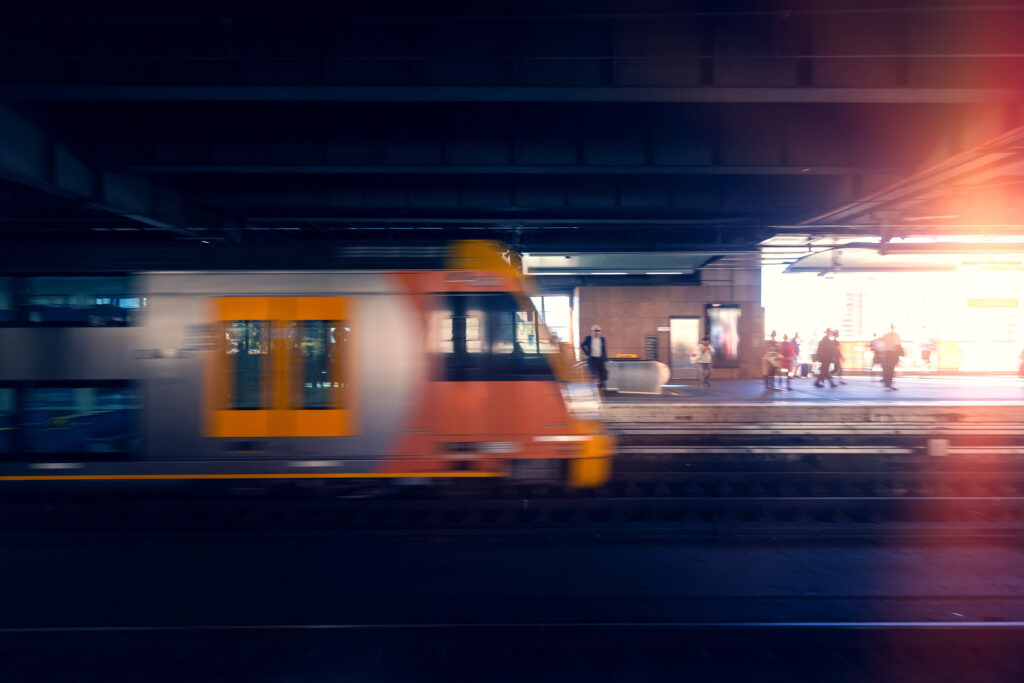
[707,127]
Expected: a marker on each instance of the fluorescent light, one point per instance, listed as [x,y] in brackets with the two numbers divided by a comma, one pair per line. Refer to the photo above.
[545,272]
[665,272]
[605,273]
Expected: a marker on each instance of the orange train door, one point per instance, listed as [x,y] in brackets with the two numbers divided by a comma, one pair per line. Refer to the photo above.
[281,368]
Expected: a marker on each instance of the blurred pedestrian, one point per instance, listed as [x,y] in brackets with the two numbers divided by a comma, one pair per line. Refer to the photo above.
[876,353]
[703,361]
[787,355]
[926,352]
[770,362]
[804,359]
[892,351]
[595,350]
[824,356]
[837,359]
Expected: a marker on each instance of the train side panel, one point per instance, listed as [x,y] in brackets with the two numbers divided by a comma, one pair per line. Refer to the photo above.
[384,368]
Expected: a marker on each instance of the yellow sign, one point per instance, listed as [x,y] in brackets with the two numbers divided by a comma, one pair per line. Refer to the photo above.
[992,303]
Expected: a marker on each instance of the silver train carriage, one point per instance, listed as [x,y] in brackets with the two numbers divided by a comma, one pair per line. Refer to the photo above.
[291,374]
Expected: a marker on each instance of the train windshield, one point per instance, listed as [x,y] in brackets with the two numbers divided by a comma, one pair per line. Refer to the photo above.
[490,337]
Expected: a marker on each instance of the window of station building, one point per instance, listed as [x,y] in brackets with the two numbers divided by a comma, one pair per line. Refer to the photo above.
[319,373]
[87,301]
[87,419]
[247,345]
[7,419]
[556,312]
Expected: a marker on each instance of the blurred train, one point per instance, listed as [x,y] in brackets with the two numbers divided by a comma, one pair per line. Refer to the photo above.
[439,371]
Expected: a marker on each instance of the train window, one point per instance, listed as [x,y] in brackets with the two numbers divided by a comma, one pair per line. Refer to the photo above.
[319,380]
[490,337]
[89,301]
[81,419]
[460,336]
[282,369]
[462,331]
[248,348]
[7,411]
[520,341]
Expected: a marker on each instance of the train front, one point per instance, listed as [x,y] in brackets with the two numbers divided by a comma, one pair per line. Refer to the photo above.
[498,397]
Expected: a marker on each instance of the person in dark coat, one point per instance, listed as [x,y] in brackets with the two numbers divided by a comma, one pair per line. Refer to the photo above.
[825,355]
[595,350]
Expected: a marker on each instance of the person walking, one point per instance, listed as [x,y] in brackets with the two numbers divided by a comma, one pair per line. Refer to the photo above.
[596,352]
[892,351]
[837,358]
[824,357]
[805,359]
[876,345]
[795,341]
[703,361]
[787,357]
[770,362]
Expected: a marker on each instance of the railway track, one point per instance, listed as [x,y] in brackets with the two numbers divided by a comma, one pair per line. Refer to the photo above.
[727,514]
[788,651]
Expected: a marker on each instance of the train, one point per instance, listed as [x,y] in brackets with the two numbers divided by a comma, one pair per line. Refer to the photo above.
[439,371]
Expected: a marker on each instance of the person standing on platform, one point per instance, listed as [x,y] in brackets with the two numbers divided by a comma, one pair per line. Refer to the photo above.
[787,355]
[770,362]
[596,352]
[824,356]
[837,358]
[892,350]
[703,361]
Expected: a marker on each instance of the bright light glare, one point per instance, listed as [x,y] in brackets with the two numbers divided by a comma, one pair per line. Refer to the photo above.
[973,314]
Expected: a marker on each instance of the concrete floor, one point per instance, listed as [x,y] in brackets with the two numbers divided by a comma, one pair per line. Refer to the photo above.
[858,388]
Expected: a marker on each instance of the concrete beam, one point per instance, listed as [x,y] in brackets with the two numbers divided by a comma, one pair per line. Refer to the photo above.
[265,93]
[386,169]
[29,156]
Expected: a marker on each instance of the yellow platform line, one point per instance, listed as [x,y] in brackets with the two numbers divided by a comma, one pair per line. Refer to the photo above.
[290,475]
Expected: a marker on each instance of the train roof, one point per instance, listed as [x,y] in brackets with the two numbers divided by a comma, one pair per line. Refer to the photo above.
[133,258]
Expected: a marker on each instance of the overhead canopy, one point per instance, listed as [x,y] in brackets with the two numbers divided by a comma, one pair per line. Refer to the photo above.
[908,257]
[965,207]
[615,263]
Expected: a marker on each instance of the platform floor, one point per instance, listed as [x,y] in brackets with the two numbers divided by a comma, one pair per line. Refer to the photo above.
[1003,389]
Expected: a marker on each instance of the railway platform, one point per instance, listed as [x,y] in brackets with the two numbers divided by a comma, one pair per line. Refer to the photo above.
[936,416]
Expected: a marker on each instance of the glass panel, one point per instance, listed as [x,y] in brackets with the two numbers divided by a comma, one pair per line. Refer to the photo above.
[683,339]
[317,345]
[458,335]
[6,420]
[81,420]
[338,348]
[556,312]
[520,332]
[7,312]
[92,301]
[248,349]
[489,337]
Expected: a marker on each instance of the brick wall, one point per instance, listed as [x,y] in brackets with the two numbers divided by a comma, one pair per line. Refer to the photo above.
[627,314]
